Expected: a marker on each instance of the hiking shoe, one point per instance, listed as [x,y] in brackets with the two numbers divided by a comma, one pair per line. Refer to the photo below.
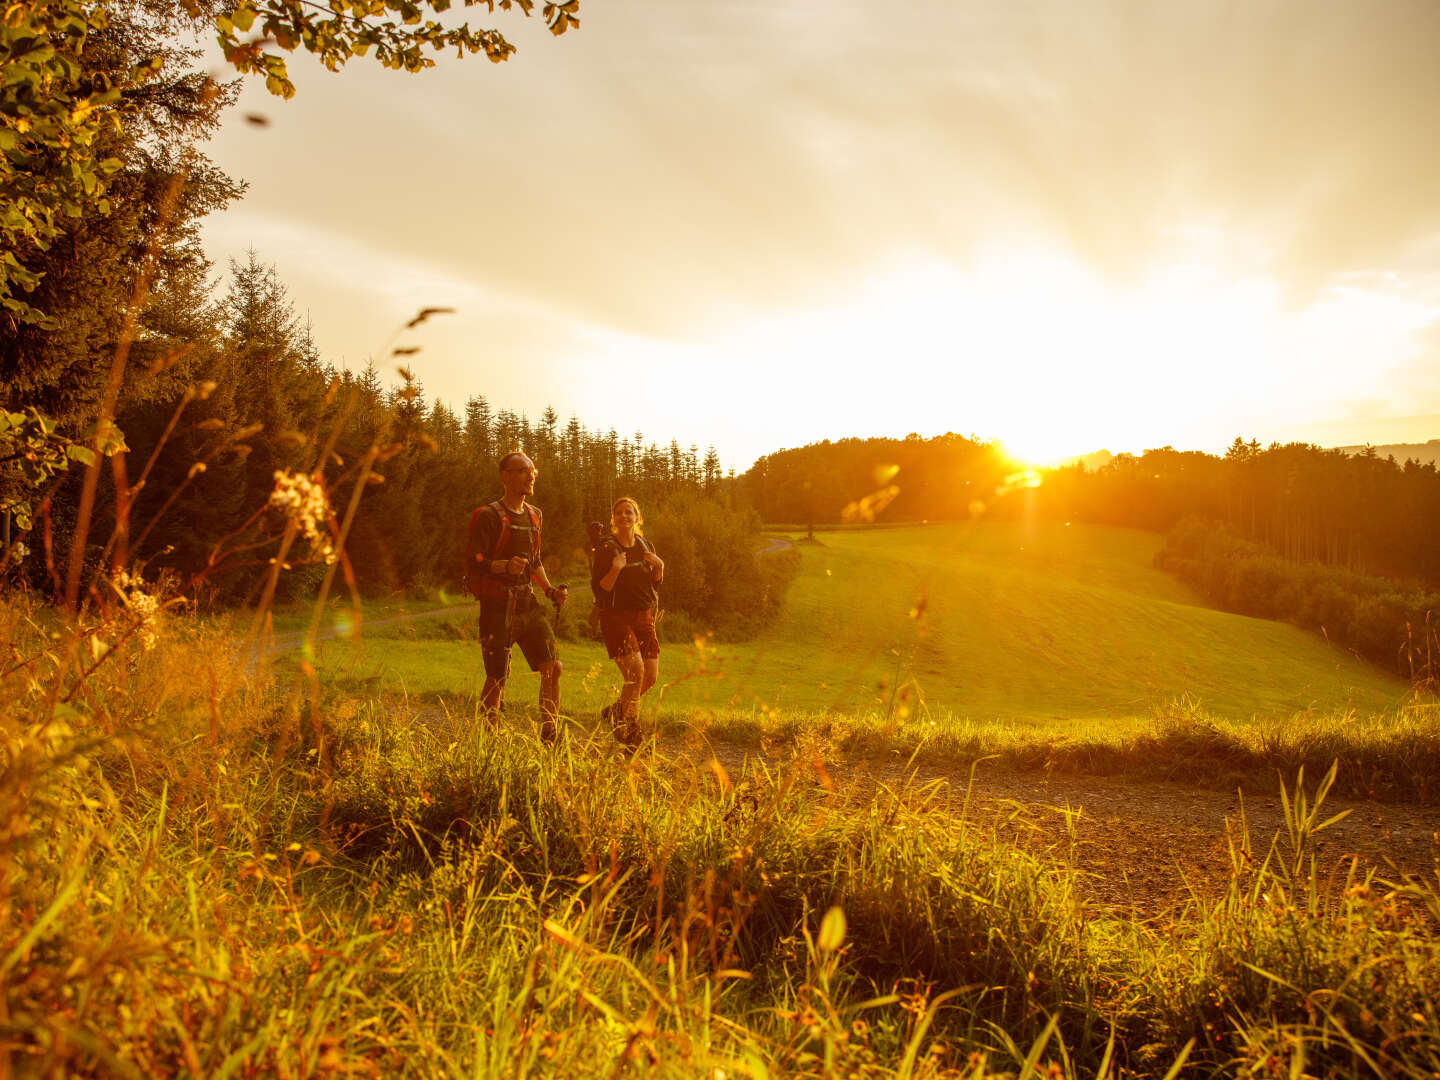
[627,734]
[549,731]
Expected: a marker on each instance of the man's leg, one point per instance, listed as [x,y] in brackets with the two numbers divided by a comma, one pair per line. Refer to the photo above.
[536,639]
[550,699]
[495,652]
[492,697]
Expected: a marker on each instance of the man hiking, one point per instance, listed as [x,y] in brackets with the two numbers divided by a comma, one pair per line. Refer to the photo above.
[502,559]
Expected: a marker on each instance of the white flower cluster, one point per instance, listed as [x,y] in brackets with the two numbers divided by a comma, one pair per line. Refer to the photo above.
[303,500]
[144,606]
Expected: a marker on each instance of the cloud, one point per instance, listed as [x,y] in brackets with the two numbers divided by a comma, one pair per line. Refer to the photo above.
[668,177]
[668,167]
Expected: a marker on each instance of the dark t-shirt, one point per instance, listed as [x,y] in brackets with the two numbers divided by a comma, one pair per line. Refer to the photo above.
[520,542]
[634,588]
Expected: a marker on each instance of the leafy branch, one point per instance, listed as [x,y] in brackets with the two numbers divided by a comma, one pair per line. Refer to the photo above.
[344,29]
[32,448]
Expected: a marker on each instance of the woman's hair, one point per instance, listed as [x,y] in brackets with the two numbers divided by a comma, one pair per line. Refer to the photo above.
[639,518]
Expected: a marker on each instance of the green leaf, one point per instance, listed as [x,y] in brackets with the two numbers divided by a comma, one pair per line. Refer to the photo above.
[40,54]
[243,17]
[83,454]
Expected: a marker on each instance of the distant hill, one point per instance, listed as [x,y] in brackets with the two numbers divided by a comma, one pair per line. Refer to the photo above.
[1098,460]
[1426,453]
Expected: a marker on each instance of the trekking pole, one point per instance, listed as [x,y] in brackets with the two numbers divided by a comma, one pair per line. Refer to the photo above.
[555,592]
[512,600]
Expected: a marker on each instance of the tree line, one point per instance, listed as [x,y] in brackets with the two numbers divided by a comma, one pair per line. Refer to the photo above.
[1392,624]
[1362,512]
[855,480]
[1368,514]
[122,367]
[272,405]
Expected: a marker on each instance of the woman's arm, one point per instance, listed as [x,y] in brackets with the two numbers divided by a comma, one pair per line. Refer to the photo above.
[603,575]
[656,565]
[613,574]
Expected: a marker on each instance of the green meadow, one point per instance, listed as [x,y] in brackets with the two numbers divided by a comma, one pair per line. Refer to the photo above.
[1041,626]
[208,870]
[218,868]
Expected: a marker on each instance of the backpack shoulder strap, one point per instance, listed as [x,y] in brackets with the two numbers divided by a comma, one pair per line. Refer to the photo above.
[470,535]
[503,536]
[534,527]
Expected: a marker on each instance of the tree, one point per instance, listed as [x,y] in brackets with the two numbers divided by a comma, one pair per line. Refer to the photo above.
[712,469]
[52,114]
[477,429]
[79,258]
[351,28]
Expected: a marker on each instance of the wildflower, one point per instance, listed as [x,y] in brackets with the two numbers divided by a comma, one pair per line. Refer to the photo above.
[144,607]
[302,499]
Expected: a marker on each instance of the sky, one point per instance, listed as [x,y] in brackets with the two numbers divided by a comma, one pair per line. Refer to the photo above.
[1066,225]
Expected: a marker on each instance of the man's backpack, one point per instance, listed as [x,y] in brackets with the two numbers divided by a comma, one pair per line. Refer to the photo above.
[478,583]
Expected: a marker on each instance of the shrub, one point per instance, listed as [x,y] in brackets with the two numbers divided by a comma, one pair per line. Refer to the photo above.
[1375,617]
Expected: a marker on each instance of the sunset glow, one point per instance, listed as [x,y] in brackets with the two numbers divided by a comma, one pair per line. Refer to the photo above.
[1001,239]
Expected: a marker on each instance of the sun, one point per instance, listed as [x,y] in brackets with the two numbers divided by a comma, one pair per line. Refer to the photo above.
[1055,360]
[1044,449]
[1027,346]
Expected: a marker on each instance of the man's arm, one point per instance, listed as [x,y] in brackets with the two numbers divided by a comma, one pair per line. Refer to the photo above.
[487,531]
[538,574]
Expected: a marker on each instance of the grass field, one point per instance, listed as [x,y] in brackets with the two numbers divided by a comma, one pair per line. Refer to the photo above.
[209,870]
[1038,627]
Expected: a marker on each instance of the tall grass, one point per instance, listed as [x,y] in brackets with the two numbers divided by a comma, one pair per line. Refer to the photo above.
[201,874]
[1391,756]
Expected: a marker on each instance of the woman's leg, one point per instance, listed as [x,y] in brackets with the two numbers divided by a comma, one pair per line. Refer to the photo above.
[627,716]
[650,674]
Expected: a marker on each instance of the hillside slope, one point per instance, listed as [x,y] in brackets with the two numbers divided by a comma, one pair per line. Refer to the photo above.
[1026,623]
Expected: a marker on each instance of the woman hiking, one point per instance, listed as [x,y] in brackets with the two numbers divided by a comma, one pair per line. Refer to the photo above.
[624,574]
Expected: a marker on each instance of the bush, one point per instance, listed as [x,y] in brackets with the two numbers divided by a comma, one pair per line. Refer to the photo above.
[713,574]
[1375,617]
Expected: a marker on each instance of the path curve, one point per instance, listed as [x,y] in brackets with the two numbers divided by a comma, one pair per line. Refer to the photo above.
[774,544]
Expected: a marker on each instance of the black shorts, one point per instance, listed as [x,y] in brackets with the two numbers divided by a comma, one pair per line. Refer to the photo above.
[530,630]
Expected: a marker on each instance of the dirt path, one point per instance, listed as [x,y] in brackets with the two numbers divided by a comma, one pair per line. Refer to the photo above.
[1143,845]
[774,544]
